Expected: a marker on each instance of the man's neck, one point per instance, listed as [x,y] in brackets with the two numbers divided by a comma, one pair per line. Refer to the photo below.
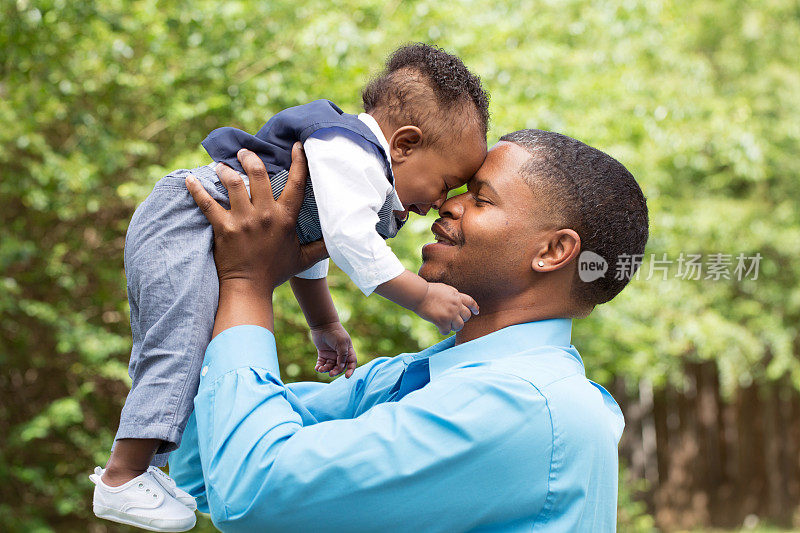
[493,319]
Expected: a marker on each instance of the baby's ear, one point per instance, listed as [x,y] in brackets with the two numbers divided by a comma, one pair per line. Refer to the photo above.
[404,141]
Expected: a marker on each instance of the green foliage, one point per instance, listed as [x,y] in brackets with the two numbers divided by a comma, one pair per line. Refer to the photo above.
[98,100]
[632,514]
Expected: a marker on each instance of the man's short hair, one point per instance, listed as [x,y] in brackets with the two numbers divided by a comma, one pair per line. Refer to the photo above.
[593,194]
[423,85]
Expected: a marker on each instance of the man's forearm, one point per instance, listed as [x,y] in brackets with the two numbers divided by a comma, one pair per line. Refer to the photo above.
[242,303]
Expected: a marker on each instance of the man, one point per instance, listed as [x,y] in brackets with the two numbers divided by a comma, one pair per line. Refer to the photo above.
[494,429]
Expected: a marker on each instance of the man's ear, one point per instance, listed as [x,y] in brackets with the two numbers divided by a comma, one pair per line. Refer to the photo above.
[404,141]
[560,250]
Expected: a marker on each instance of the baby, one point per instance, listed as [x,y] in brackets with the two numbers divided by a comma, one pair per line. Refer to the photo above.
[422,134]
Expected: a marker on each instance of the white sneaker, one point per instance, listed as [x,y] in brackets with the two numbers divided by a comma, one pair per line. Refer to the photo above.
[142,502]
[168,483]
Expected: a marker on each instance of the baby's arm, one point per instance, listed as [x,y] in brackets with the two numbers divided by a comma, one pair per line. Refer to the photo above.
[335,353]
[441,304]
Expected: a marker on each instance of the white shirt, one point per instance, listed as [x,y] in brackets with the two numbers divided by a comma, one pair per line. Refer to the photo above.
[350,187]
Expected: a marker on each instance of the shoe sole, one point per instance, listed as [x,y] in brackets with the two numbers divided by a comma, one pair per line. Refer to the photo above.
[191,506]
[151,524]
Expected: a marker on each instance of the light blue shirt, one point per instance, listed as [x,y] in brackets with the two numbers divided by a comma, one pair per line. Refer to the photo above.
[508,435]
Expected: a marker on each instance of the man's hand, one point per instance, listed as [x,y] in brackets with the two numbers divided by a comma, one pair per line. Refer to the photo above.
[256,240]
[447,308]
[255,244]
[335,352]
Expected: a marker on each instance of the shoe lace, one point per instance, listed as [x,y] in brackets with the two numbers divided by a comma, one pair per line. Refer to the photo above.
[163,479]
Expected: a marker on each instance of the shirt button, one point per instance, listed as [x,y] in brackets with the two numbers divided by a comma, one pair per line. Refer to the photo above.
[204,371]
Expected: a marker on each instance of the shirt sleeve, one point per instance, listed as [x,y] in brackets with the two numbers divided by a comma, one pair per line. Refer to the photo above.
[316,271]
[438,460]
[313,401]
[350,187]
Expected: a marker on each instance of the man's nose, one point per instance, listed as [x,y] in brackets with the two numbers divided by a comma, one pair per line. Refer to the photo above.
[453,207]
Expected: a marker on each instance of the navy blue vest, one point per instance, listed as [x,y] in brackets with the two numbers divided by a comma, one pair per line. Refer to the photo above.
[273,144]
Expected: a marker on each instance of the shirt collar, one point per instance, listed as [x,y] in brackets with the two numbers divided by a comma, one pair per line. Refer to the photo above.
[504,342]
[375,128]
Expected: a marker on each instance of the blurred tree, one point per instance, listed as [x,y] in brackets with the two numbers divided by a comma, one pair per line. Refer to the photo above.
[98,100]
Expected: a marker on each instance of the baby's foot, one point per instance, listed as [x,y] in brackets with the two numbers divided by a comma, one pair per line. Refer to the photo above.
[114,476]
[144,502]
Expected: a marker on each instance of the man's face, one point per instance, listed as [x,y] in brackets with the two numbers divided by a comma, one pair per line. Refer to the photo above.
[486,237]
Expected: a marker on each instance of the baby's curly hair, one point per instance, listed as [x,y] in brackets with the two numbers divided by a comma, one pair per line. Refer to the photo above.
[423,85]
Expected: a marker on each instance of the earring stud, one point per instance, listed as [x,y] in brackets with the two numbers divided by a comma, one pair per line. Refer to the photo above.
[541,263]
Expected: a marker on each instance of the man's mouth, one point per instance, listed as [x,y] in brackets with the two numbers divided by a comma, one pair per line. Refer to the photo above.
[443,235]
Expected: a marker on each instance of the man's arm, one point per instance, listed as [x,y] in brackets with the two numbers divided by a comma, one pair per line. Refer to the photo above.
[247,236]
[313,401]
[468,448]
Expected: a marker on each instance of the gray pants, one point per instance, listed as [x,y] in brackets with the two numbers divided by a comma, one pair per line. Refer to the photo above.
[173,292]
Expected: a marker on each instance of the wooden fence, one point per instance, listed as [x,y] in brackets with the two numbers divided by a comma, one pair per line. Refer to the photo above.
[711,462]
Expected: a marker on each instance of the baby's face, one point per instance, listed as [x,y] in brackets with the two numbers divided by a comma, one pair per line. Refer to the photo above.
[423,180]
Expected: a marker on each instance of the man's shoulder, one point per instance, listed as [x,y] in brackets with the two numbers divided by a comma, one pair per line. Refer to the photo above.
[570,427]
[541,367]
[574,402]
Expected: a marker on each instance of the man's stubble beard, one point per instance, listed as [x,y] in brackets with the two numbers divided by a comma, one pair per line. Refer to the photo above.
[432,276]
[473,283]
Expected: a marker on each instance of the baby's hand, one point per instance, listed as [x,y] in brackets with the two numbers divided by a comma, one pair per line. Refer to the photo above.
[335,353]
[447,308]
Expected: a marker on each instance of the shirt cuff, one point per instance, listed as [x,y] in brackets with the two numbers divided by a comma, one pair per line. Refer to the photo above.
[240,347]
[384,269]
[317,271]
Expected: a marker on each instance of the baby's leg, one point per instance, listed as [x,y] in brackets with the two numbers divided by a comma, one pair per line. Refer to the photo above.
[173,291]
[129,458]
